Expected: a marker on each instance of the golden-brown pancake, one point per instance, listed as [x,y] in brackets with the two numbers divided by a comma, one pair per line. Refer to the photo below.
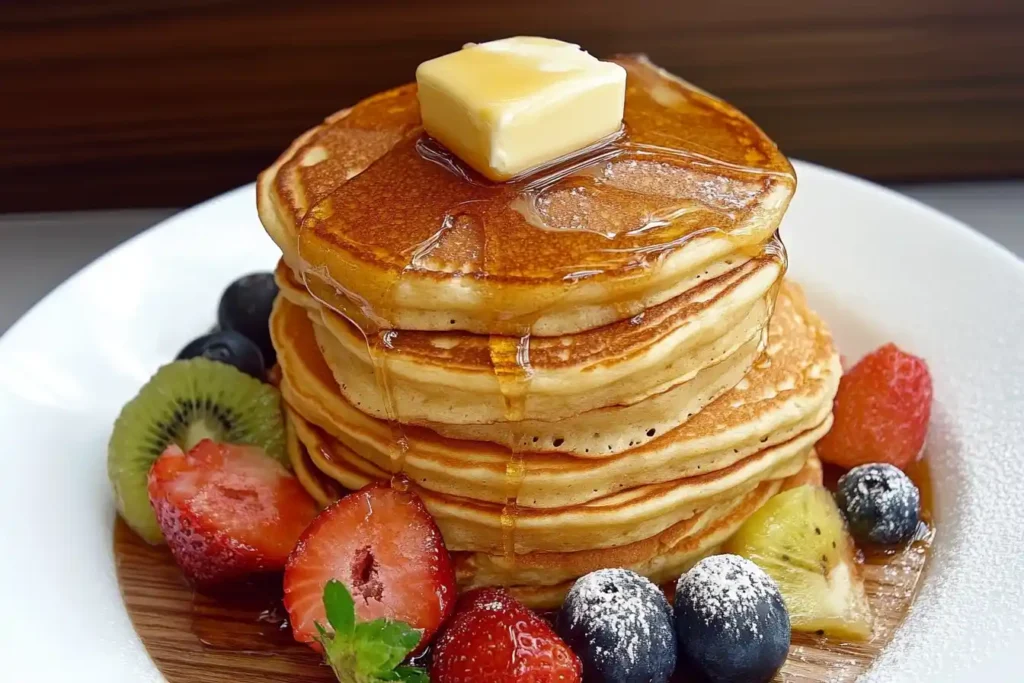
[455,378]
[786,394]
[391,230]
[617,519]
[541,578]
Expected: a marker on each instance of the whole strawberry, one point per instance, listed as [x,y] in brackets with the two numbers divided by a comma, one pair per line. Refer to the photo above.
[494,638]
[881,411]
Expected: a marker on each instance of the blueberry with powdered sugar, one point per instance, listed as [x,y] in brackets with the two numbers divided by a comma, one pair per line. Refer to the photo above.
[731,622]
[881,504]
[620,626]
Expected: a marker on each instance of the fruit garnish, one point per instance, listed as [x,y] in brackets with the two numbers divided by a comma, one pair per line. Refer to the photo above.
[227,512]
[245,308]
[731,621]
[493,638]
[365,651]
[226,346]
[799,538]
[881,411]
[881,504]
[610,608]
[184,403]
[385,547]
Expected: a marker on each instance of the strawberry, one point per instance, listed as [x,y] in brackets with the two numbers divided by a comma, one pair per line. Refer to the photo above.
[227,512]
[495,638]
[881,411]
[384,546]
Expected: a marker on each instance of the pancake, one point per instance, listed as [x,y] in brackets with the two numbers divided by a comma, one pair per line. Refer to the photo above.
[613,520]
[541,581]
[542,578]
[393,232]
[455,378]
[785,394]
[321,488]
[661,558]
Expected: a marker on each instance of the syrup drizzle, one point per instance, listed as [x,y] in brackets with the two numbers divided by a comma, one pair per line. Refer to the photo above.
[510,357]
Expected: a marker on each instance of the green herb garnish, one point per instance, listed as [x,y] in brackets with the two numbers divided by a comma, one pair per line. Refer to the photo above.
[366,651]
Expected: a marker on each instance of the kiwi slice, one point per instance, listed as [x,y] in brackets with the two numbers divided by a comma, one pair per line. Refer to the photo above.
[799,538]
[184,403]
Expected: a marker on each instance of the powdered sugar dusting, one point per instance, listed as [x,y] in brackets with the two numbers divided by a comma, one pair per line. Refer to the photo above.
[884,493]
[624,615]
[727,589]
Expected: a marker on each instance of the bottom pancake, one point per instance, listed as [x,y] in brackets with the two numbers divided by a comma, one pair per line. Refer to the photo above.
[541,580]
[615,520]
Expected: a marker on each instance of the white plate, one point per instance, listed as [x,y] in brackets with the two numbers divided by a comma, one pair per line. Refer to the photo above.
[878,266]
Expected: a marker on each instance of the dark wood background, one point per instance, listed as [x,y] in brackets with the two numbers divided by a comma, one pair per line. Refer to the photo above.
[165,102]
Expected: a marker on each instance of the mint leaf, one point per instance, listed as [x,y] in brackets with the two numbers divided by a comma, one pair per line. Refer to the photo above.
[341,608]
[412,674]
[369,651]
[382,644]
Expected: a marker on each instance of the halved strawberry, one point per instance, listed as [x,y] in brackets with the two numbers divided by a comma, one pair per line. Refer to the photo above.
[495,638]
[227,511]
[384,546]
[881,411]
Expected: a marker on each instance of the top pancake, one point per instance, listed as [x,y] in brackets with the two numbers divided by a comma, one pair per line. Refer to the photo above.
[392,231]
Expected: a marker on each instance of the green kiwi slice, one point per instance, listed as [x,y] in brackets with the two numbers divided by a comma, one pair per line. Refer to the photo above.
[185,402]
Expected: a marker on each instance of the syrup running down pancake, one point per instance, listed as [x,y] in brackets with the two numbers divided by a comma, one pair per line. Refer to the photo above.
[786,393]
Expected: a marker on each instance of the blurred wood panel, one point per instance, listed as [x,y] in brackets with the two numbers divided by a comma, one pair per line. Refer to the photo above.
[166,102]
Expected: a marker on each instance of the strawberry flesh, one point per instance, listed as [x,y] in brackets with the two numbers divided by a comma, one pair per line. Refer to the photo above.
[227,512]
[385,547]
[881,411]
[495,638]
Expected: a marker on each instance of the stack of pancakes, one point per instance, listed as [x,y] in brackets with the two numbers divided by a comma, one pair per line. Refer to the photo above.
[598,365]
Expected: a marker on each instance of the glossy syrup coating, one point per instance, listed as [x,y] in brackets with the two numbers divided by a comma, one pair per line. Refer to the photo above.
[383,221]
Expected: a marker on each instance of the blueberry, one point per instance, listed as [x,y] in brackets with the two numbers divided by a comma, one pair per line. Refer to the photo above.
[620,626]
[881,504]
[228,347]
[245,308]
[731,622]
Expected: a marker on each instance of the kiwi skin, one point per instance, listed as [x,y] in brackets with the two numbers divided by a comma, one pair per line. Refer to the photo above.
[184,403]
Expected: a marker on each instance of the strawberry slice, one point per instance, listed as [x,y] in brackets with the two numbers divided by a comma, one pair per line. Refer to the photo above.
[881,411]
[495,638]
[227,512]
[385,548]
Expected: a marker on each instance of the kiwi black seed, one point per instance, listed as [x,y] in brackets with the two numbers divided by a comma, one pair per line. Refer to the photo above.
[184,403]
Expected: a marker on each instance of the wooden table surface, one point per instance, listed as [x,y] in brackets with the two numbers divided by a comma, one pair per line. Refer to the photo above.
[165,102]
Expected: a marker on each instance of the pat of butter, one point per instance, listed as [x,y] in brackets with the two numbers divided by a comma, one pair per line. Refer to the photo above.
[510,105]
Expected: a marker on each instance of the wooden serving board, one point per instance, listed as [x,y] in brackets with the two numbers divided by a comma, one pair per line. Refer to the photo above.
[199,639]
